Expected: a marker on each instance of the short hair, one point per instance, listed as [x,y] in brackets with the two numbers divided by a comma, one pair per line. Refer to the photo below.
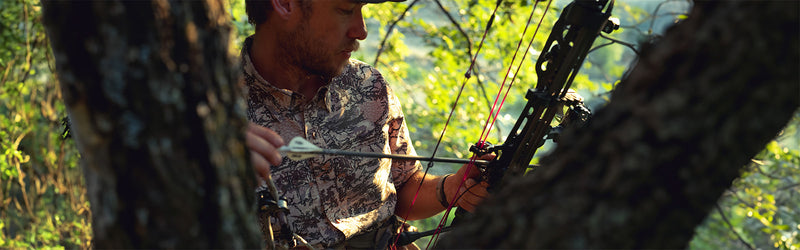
[258,10]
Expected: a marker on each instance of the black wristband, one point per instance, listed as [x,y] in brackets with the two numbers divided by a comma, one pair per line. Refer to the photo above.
[442,196]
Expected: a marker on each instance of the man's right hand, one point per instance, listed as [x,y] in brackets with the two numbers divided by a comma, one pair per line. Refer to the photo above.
[263,144]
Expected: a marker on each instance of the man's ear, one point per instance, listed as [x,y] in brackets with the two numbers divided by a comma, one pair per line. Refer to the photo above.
[284,8]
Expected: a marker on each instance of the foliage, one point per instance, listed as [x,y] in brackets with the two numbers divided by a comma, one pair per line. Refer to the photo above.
[42,194]
[424,57]
[242,29]
[427,56]
[435,77]
[759,210]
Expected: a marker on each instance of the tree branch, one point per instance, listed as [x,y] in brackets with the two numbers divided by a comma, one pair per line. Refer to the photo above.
[762,172]
[613,41]
[727,222]
[390,29]
[735,195]
[469,50]
[455,23]
[789,186]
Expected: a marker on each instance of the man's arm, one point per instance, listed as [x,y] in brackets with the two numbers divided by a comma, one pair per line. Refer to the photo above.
[428,198]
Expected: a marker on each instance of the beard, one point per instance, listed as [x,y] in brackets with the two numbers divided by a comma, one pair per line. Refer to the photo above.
[314,56]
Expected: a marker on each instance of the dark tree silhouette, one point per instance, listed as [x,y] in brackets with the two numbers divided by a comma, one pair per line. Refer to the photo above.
[155,110]
[649,167]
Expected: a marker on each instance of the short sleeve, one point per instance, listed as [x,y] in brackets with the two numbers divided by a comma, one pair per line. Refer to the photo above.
[400,142]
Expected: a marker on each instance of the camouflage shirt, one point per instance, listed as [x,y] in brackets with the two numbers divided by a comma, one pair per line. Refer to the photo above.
[332,198]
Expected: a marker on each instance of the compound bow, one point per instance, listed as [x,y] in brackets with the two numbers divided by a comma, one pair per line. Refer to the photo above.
[564,51]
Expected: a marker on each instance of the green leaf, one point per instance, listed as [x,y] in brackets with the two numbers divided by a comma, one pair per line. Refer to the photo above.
[448,42]
[774,148]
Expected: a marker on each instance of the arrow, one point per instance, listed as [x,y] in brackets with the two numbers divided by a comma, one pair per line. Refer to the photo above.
[300,149]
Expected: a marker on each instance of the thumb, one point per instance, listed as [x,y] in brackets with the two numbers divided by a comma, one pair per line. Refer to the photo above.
[473,169]
[469,169]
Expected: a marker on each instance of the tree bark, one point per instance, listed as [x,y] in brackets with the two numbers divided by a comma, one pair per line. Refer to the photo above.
[152,96]
[646,171]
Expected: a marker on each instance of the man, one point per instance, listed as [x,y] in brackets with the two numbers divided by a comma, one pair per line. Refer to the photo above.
[301,82]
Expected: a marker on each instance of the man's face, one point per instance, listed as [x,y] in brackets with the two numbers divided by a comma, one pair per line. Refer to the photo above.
[321,44]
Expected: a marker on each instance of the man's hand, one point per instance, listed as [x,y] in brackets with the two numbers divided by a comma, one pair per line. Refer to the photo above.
[473,191]
[263,144]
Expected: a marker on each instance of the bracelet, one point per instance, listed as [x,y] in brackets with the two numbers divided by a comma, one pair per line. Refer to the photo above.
[442,196]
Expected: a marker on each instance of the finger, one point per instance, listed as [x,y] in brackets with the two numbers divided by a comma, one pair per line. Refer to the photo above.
[466,205]
[473,192]
[260,146]
[474,171]
[260,166]
[271,136]
[471,197]
[487,157]
[470,169]
[477,189]
[469,206]
[469,202]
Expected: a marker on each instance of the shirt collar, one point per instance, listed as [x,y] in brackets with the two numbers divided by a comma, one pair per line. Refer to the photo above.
[322,98]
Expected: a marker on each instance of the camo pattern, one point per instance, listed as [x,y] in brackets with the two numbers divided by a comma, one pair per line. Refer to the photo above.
[332,198]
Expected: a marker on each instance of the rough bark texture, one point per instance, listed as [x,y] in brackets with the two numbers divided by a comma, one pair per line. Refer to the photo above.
[151,92]
[651,164]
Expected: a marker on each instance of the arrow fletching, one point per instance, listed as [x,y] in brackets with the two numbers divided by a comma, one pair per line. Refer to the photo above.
[300,149]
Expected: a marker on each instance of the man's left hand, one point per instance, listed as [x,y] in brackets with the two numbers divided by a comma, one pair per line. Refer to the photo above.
[473,191]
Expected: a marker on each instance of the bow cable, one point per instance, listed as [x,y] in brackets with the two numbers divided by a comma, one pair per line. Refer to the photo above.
[495,111]
[514,76]
[467,75]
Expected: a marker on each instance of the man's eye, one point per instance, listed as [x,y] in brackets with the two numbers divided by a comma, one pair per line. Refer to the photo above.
[346,11]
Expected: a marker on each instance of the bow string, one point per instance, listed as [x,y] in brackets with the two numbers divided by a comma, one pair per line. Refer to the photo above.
[494,111]
[564,52]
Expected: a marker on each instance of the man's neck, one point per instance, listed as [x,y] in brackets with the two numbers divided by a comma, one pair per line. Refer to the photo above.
[275,69]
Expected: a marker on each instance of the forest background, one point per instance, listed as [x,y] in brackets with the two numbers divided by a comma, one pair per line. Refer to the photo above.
[424,57]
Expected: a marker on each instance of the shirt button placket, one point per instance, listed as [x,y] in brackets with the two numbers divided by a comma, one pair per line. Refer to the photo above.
[310,136]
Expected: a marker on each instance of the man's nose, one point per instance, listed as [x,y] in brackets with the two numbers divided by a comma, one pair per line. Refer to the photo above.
[357,29]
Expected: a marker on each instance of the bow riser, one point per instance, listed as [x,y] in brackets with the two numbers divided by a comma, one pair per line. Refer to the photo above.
[565,50]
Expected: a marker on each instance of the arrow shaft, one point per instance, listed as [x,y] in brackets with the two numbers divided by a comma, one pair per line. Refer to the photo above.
[298,149]
[399,157]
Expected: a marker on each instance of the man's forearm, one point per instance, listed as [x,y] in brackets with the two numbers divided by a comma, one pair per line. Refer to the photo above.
[427,203]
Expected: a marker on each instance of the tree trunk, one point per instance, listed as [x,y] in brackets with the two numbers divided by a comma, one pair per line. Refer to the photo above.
[156,112]
[651,164]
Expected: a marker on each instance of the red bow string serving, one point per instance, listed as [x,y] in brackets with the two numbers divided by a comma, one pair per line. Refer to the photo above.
[494,112]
